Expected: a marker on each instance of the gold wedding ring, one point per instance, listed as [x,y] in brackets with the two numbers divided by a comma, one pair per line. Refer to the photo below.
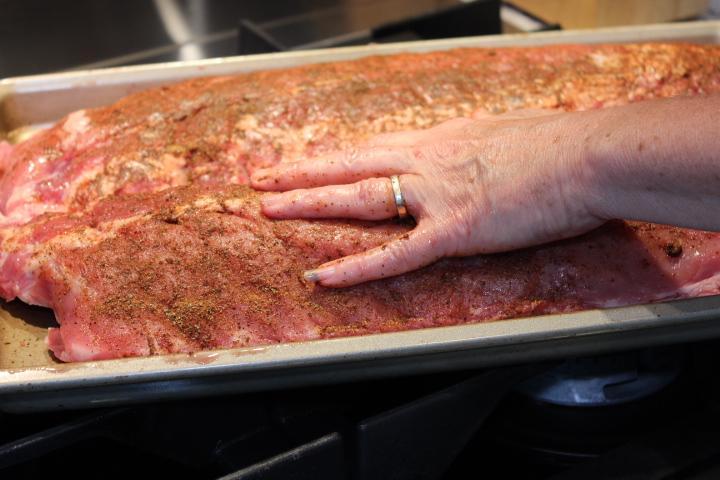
[399,199]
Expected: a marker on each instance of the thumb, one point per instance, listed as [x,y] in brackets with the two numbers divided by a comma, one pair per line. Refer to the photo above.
[407,252]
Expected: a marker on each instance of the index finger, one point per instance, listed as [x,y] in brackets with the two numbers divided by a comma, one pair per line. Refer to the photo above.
[343,167]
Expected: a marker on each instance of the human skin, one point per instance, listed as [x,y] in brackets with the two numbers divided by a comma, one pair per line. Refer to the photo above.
[498,183]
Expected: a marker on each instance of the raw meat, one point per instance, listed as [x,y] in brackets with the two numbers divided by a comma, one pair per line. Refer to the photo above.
[96,223]
[213,131]
[194,268]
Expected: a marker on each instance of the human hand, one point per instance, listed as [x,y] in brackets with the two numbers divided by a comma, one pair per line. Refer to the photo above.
[472,185]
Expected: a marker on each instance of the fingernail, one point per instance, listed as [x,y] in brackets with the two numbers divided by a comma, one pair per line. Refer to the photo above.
[262,176]
[257,175]
[271,200]
[319,274]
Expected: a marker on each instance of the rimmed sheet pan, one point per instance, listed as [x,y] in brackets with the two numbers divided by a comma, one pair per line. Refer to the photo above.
[30,380]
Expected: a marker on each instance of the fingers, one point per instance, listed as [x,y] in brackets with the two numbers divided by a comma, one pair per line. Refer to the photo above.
[526,113]
[370,199]
[408,252]
[382,156]
[397,139]
[347,166]
[414,138]
[480,113]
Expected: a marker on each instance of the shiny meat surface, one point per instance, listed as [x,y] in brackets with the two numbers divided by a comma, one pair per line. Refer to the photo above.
[218,130]
[198,268]
[97,220]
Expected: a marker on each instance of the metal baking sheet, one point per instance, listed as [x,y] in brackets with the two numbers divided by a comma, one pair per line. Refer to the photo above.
[30,380]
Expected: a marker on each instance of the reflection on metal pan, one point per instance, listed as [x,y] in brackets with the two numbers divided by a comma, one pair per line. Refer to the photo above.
[30,380]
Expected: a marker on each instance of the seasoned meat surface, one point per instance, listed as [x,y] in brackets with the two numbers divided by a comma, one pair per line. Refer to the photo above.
[132,224]
[198,268]
[218,130]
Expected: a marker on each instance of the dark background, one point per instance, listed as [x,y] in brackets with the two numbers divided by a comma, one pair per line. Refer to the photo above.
[40,36]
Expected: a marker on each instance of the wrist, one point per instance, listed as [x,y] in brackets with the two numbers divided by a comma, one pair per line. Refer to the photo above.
[579,171]
[605,162]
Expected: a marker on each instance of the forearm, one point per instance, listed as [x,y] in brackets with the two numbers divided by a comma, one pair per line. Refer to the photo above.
[655,161]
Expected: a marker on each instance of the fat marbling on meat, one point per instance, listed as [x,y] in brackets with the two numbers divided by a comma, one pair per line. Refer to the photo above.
[198,268]
[129,223]
[218,130]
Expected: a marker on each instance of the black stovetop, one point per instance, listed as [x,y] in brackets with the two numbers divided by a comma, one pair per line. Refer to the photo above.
[450,426]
